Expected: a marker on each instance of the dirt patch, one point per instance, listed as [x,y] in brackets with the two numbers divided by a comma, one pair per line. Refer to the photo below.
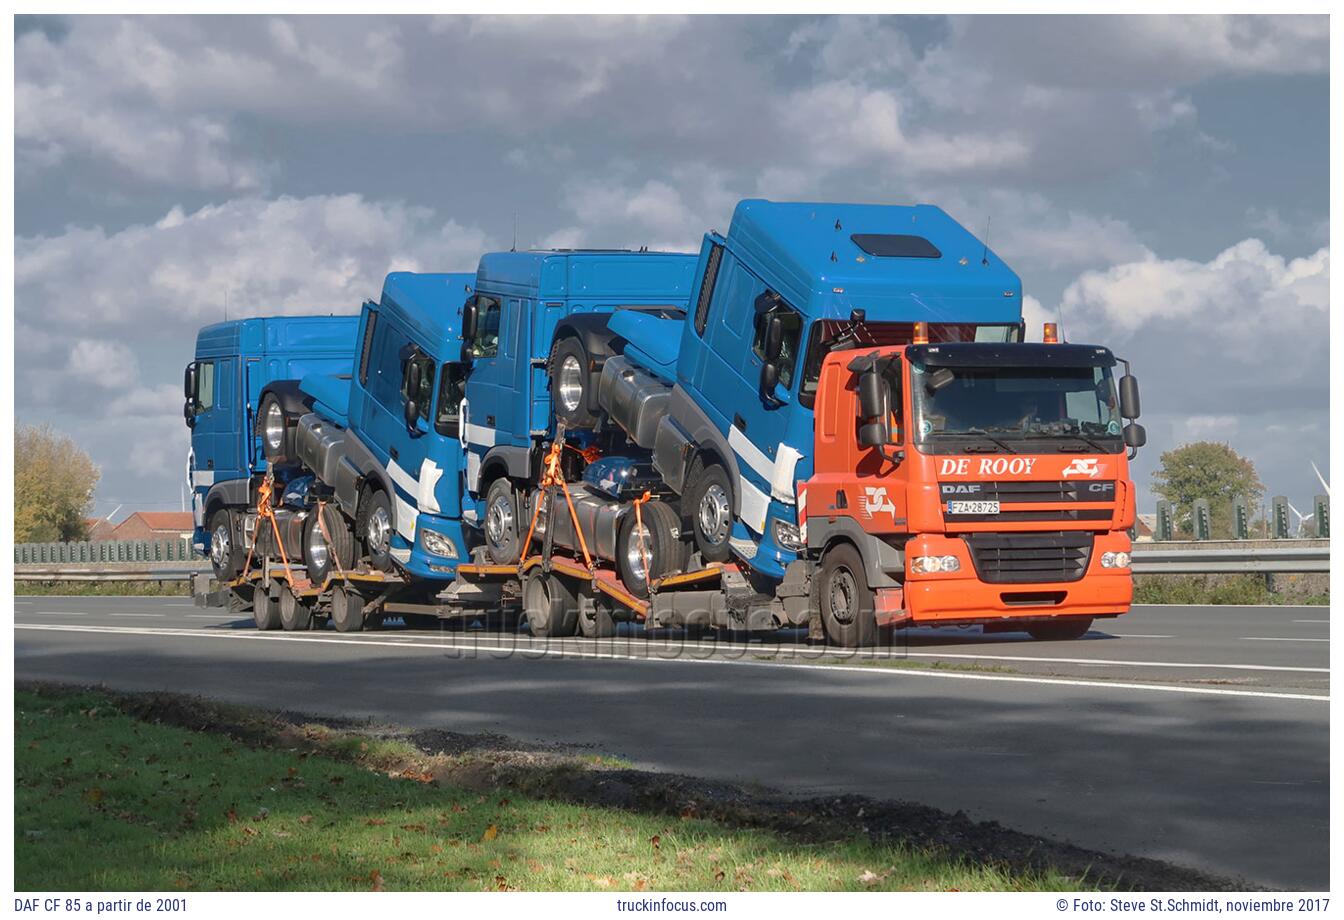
[489,762]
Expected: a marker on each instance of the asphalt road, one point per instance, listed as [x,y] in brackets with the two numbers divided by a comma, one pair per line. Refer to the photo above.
[1197,735]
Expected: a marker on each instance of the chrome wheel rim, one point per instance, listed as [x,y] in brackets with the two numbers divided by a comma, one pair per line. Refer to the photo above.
[219,546]
[379,529]
[317,548]
[637,549]
[713,514]
[843,592]
[571,383]
[499,520]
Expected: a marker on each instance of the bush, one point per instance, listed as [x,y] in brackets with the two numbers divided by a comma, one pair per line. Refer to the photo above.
[1216,589]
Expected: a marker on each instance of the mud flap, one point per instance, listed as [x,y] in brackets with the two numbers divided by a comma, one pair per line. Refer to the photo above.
[889,607]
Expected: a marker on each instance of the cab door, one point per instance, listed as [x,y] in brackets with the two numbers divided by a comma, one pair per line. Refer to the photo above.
[497,388]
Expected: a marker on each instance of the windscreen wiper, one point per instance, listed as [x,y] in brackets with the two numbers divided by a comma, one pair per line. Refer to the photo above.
[985,433]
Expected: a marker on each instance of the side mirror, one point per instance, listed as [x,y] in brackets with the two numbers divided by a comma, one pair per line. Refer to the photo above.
[1134,435]
[873,434]
[189,413]
[774,339]
[189,381]
[871,396]
[1129,396]
[412,408]
[469,314]
[769,380]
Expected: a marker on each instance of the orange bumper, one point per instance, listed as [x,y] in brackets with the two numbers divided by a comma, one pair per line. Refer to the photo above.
[961,597]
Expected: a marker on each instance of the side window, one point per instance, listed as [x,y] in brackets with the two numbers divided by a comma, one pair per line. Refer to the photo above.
[384,378]
[893,376]
[205,386]
[367,347]
[486,342]
[793,328]
[413,356]
[452,387]
[707,289]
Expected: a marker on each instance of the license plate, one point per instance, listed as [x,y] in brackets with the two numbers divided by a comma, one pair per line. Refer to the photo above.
[972,507]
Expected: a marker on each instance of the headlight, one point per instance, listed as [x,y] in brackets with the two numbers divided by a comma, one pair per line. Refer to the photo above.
[438,544]
[788,536]
[931,565]
[273,427]
[1115,560]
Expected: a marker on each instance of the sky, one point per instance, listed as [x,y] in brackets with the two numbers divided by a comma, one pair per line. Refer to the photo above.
[1159,183]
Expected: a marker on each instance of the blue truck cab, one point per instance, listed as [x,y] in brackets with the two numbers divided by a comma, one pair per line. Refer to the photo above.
[789,283]
[233,362]
[536,339]
[383,443]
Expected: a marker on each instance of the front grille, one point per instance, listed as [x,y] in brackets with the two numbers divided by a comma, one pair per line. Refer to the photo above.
[1063,490]
[1010,558]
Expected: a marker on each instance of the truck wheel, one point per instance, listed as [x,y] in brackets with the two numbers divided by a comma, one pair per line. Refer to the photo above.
[502,538]
[317,553]
[845,599]
[276,429]
[550,605]
[595,620]
[378,528]
[347,609]
[708,503]
[1060,631]
[265,610]
[224,557]
[296,613]
[571,383]
[653,548]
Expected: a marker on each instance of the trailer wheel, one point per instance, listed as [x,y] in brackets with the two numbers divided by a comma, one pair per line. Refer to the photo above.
[320,556]
[648,552]
[377,535]
[595,619]
[224,557]
[265,610]
[347,609]
[571,383]
[846,601]
[502,537]
[296,613]
[550,605]
[1060,631]
[708,504]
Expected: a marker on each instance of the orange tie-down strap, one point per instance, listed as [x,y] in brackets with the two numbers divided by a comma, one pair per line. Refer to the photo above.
[552,477]
[264,510]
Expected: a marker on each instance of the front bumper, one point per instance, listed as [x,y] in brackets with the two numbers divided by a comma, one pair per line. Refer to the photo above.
[962,597]
[424,564]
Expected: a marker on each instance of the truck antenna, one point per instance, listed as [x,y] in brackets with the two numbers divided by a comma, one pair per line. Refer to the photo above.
[226,303]
[514,247]
[984,256]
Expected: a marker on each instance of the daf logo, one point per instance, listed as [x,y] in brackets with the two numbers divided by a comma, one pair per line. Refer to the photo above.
[961,488]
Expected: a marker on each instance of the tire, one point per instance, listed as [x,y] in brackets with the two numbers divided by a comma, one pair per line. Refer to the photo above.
[224,556]
[271,412]
[318,556]
[1060,631]
[296,613]
[550,605]
[708,505]
[347,609]
[661,545]
[572,383]
[376,511]
[594,616]
[265,609]
[846,601]
[503,523]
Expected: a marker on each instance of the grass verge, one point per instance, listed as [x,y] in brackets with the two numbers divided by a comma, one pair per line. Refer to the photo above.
[103,588]
[1248,590]
[117,792]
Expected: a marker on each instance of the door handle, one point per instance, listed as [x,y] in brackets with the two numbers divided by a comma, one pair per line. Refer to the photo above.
[490,421]
[393,452]
[740,423]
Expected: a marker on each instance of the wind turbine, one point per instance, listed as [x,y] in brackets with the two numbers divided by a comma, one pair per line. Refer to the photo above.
[1301,518]
[1324,485]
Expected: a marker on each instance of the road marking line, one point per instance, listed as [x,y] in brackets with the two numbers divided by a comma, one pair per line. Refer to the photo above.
[56,613]
[1311,621]
[572,653]
[135,614]
[1278,639]
[1137,636]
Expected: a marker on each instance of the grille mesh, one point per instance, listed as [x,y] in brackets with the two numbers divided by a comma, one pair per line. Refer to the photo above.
[1009,558]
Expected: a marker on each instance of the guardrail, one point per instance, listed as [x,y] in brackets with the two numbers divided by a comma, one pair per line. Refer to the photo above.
[109,551]
[1149,559]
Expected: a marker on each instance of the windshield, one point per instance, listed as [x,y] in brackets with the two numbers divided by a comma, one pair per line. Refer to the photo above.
[998,408]
[830,334]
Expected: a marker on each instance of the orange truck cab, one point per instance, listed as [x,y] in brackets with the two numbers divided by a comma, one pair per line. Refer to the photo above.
[971,483]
